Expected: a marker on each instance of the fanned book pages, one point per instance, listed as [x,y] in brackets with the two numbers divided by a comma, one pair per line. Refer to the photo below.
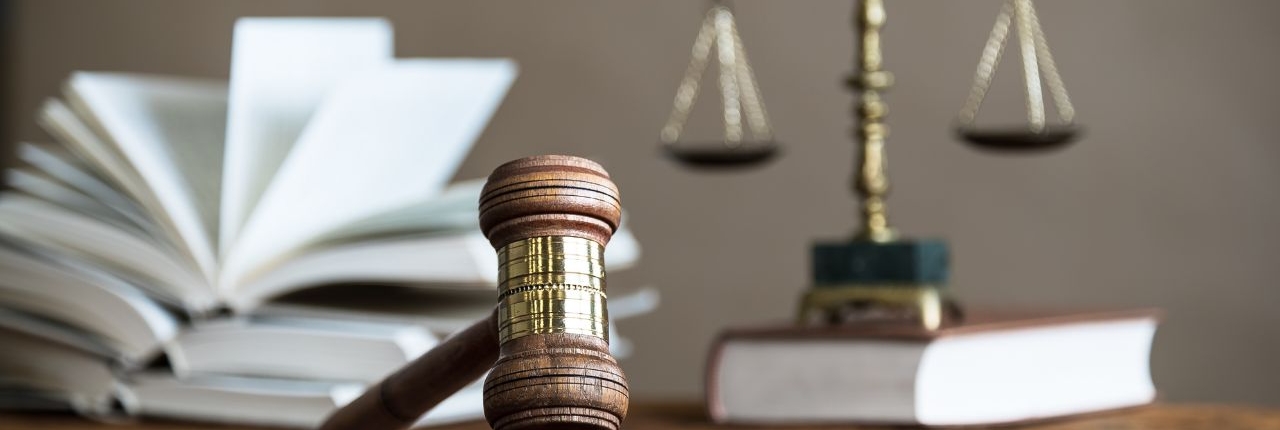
[167,216]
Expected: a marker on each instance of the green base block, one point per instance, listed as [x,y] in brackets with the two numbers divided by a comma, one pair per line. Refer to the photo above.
[906,262]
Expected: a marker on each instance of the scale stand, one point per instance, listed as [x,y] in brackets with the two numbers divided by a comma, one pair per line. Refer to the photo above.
[877,277]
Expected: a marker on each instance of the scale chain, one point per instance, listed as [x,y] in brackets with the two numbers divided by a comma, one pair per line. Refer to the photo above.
[1052,80]
[752,101]
[1036,58]
[729,87]
[742,102]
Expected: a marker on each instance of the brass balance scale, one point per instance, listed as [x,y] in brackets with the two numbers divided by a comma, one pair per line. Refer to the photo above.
[878,276]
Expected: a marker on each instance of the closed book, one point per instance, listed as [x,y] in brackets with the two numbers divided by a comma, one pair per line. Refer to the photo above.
[286,403]
[297,348]
[995,367]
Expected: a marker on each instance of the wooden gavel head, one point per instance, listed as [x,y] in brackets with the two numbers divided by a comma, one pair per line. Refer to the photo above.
[549,218]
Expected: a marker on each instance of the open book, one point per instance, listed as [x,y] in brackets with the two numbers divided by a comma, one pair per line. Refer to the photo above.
[303,171]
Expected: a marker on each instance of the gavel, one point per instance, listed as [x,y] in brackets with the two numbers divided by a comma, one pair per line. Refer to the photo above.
[546,346]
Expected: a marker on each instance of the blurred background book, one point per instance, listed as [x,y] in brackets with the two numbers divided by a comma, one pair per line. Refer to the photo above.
[996,367]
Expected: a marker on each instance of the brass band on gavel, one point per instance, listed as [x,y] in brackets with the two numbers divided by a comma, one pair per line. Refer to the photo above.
[551,284]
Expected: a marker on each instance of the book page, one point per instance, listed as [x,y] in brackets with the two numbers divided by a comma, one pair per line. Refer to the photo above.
[455,209]
[286,403]
[79,295]
[102,160]
[460,259]
[54,331]
[30,182]
[381,141]
[61,122]
[298,348]
[280,70]
[84,379]
[170,131]
[126,254]
[66,169]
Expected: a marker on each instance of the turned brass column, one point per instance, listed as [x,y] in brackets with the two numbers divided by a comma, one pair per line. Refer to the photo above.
[868,81]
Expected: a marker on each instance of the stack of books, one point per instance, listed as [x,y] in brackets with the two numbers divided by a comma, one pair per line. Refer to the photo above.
[254,251]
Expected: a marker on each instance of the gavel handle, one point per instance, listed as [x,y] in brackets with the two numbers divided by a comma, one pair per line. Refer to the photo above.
[401,398]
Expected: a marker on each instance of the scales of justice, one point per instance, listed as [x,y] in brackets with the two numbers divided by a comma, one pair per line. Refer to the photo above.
[545,347]
[878,276]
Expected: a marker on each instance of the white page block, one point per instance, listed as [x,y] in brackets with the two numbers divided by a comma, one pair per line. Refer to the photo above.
[381,141]
[281,68]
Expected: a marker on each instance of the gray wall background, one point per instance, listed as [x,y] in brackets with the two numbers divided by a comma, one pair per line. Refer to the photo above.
[1171,201]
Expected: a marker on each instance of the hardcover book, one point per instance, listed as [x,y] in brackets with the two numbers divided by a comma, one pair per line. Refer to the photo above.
[996,367]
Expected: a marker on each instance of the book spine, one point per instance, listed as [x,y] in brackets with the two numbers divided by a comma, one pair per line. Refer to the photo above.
[715,407]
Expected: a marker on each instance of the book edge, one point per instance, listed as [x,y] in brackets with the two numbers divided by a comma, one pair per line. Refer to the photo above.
[998,322]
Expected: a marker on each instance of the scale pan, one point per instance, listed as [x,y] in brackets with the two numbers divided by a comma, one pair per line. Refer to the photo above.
[1020,139]
[718,156]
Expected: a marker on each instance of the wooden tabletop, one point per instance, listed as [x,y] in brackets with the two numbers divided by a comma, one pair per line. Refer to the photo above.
[692,416]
